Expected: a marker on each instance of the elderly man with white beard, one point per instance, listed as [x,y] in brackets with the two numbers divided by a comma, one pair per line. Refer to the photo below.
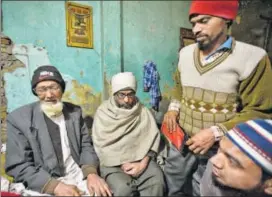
[126,140]
[48,146]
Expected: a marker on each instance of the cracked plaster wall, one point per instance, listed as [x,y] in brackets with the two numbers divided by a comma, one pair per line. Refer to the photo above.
[147,30]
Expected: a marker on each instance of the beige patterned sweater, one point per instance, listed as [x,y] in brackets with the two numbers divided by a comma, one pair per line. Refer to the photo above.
[233,88]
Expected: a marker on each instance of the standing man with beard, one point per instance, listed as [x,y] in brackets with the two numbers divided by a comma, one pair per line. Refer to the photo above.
[224,82]
[48,146]
[126,139]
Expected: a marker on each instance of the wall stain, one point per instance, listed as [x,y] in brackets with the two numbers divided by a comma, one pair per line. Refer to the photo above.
[81,94]
[175,91]
[81,73]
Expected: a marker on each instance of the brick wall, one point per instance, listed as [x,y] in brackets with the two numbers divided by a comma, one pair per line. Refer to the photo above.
[8,64]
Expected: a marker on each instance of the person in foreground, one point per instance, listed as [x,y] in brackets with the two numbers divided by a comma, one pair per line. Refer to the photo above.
[224,82]
[243,163]
[48,146]
[126,140]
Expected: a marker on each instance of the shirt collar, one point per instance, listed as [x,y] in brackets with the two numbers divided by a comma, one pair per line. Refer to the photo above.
[226,45]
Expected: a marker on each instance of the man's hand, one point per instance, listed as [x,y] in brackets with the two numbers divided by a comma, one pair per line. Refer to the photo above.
[268,187]
[201,142]
[136,168]
[97,186]
[63,189]
[171,118]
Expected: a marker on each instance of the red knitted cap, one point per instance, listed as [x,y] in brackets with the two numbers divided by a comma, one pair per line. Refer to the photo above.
[224,8]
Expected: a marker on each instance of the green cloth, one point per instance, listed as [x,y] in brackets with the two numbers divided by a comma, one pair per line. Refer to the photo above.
[255,95]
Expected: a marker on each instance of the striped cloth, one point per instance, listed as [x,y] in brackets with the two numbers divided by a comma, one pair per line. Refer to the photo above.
[254,138]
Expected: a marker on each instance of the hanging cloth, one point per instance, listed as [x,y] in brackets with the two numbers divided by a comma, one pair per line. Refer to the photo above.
[151,84]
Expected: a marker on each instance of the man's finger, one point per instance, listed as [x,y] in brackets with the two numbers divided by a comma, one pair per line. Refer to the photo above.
[129,169]
[97,192]
[103,192]
[189,142]
[107,189]
[204,151]
[174,125]
[130,172]
[76,193]
[126,168]
[193,146]
[122,167]
[197,150]
[170,126]
[91,191]
[168,122]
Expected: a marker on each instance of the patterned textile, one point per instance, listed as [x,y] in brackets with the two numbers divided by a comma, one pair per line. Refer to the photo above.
[151,83]
[175,104]
[254,138]
[202,108]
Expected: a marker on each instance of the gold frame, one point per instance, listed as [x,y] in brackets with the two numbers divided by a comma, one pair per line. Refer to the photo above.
[79,25]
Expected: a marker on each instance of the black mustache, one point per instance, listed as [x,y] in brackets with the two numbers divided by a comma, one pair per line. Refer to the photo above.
[200,35]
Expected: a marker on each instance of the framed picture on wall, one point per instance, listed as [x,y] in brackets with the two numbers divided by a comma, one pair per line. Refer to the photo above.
[79,25]
[186,37]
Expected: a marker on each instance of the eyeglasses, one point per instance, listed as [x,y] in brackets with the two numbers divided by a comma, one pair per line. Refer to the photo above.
[43,90]
[122,95]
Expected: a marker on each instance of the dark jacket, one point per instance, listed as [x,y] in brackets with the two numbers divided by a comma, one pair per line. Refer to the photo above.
[31,157]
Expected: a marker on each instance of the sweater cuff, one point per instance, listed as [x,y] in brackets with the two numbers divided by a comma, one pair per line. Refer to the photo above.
[174,105]
[88,169]
[50,186]
[222,128]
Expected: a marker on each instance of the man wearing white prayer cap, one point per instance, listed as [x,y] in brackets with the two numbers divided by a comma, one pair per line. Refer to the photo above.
[126,140]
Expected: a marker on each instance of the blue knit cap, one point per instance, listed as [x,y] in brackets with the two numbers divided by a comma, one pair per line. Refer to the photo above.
[254,138]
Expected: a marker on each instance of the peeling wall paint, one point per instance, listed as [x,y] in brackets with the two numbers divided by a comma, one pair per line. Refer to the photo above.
[33,57]
[82,95]
[43,23]
[174,91]
[147,30]
[17,86]
[41,39]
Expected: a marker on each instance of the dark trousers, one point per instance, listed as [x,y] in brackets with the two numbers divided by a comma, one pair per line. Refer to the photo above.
[184,170]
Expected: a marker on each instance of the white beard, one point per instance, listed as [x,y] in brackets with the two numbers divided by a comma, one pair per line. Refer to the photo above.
[52,109]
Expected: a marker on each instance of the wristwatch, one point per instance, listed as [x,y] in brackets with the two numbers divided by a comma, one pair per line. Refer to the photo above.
[218,133]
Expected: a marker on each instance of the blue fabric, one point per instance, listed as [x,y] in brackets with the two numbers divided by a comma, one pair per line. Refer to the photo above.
[254,138]
[257,138]
[151,83]
[226,45]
